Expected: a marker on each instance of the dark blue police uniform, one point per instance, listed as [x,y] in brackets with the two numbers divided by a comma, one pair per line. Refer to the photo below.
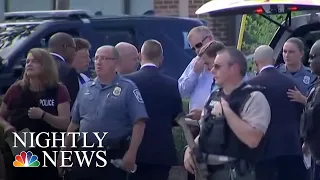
[303,78]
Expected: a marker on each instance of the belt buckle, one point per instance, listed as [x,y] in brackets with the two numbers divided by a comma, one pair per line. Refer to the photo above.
[233,174]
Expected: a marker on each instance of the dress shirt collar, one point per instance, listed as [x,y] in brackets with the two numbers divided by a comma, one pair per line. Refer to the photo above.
[59,56]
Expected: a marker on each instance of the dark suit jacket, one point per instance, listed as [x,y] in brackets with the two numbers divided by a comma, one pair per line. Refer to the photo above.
[282,136]
[163,103]
[69,77]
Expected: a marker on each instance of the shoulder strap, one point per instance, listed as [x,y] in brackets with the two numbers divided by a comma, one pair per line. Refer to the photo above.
[246,91]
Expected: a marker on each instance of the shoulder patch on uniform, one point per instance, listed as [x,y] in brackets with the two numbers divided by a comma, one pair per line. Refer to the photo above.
[138,96]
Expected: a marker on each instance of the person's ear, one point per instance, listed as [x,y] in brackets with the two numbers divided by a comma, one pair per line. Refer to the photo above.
[161,60]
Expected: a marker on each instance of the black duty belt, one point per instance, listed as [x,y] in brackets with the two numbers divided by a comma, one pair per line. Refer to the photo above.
[110,144]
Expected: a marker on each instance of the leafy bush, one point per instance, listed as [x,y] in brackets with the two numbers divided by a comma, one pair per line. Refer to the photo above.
[260,31]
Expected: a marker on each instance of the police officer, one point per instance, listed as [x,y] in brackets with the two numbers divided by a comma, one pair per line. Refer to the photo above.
[311,124]
[235,120]
[293,51]
[110,104]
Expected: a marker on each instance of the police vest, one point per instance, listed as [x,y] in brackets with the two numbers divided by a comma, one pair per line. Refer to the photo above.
[310,124]
[46,100]
[217,138]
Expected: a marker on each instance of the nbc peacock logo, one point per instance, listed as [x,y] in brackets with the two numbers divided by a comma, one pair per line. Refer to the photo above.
[26,159]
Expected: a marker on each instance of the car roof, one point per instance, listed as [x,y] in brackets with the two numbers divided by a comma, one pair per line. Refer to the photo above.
[28,16]
[231,7]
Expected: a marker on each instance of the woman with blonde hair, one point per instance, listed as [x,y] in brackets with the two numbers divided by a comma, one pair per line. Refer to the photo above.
[38,103]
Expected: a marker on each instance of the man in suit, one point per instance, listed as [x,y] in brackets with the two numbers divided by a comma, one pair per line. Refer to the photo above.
[129,58]
[282,155]
[162,99]
[62,47]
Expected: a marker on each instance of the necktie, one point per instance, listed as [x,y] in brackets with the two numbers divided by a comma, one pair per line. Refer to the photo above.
[82,81]
[212,85]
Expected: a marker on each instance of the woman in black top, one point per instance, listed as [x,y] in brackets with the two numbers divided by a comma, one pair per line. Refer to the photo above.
[39,103]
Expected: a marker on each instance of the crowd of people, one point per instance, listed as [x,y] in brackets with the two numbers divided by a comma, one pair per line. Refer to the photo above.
[254,121]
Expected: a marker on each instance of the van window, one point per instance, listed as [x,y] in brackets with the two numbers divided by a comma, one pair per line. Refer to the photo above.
[114,36]
[44,41]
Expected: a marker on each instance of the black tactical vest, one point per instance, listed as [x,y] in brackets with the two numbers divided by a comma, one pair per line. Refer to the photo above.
[310,124]
[217,138]
[46,100]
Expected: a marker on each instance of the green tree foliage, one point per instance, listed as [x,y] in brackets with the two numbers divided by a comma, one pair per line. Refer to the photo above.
[260,31]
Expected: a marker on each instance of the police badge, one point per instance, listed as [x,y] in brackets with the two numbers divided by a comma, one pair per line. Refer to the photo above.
[306,80]
[116,91]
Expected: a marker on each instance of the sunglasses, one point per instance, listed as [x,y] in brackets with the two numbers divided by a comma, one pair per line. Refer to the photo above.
[200,44]
[312,56]
[216,66]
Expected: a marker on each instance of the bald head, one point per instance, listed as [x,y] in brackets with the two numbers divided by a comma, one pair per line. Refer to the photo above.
[62,44]
[108,51]
[128,58]
[314,58]
[60,39]
[152,51]
[263,53]
[315,49]
[125,48]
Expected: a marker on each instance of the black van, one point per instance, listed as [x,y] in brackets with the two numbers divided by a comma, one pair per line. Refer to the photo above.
[306,27]
[22,31]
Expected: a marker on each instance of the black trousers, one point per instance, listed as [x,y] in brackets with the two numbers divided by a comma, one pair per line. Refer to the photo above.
[282,168]
[195,132]
[109,172]
[150,172]
[315,171]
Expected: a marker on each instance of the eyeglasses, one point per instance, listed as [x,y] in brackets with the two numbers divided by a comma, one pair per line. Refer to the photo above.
[102,58]
[200,44]
[216,66]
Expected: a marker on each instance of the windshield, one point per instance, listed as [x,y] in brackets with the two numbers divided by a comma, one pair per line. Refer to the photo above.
[11,35]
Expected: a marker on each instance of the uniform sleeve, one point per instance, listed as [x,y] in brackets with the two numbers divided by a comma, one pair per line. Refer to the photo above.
[75,113]
[135,104]
[188,80]
[63,95]
[257,112]
[11,98]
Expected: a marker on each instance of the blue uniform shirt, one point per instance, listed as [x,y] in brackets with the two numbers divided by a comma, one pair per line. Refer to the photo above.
[113,108]
[303,78]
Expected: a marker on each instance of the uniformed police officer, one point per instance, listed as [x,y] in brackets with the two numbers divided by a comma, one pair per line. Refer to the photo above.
[293,51]
[113,104]
[235,119]
[311,115]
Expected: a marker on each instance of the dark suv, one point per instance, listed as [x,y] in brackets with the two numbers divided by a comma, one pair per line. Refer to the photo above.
[22,31]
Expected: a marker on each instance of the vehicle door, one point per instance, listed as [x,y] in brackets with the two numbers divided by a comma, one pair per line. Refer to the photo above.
[265,9]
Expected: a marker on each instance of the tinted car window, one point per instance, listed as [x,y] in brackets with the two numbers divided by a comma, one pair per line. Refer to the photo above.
[114,36]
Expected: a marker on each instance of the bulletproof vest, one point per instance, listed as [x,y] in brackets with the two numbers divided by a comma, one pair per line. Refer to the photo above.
[46,100]
[310,125]
[216,137]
